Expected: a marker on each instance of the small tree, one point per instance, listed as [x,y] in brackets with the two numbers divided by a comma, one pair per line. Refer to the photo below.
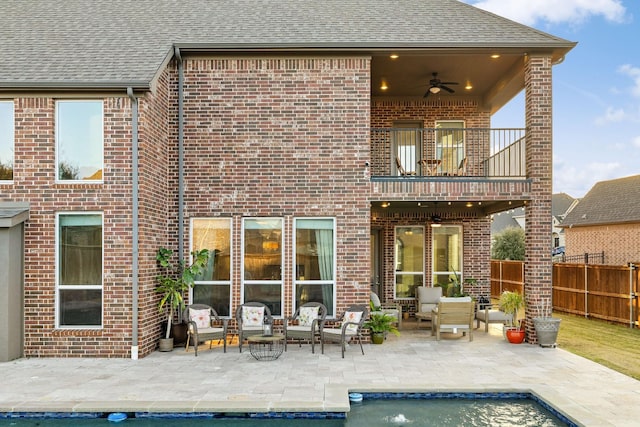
[176,280]
[509,244]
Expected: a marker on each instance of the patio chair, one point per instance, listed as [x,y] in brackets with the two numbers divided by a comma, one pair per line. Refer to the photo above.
[392,309]
[350,326]
[401,169]
[250,318]
[304,324]
[453,314]
[428,298]
[202,321]
[489,313]
[462,168]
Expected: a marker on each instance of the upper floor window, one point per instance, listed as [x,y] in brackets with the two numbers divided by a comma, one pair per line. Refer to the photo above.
[6,140]
[213,286]
[450,146]
[315,262]
[79,140]
[79,270]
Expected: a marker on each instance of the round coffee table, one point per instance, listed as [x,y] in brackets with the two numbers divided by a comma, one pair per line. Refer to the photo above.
[266,347]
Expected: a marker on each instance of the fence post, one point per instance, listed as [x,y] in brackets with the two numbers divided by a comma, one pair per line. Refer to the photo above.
[632,295]
[586,258]
[586,292]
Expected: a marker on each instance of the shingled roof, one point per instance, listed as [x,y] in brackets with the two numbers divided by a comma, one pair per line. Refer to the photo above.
[104,43]
[608,202]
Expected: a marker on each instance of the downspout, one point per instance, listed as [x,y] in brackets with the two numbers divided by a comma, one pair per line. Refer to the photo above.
[134,220]
[180,154]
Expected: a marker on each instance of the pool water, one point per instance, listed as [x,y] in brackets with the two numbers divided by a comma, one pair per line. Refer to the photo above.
[370,413]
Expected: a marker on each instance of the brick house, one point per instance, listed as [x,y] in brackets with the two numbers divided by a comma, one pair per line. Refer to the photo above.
[312,149]
[607,219]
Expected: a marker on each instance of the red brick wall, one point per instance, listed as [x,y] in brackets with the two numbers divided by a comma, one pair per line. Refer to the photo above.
[34,182]
[476,235]
[283,137]
[618,241]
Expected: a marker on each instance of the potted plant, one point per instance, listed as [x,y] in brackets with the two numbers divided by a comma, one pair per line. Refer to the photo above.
[511,303]
[380,324]
[546,326]
[173,283]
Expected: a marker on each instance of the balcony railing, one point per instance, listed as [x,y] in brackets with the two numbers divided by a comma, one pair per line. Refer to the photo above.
[442,152]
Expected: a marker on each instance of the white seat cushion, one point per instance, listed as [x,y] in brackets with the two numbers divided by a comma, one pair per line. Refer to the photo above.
[493,316]
[336,331]
[298,328]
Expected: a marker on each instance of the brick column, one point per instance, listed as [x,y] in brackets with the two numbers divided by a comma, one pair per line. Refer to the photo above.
[538,268]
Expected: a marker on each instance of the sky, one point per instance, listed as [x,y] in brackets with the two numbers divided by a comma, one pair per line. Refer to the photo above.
[596,89]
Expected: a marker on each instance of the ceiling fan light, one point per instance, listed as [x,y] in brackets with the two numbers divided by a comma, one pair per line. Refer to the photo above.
[434,89]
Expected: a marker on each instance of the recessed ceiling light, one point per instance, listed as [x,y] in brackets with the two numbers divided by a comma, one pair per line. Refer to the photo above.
[495,56]
[394,56]
[468,86]
[384,86]
[385,204]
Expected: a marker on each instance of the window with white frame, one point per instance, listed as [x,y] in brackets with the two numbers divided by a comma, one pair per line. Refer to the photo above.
[409,261]
[79,270]
[447,257]
[79,140]
[262,259]
[315,262]
[213,286]
[449,145]
[6,140]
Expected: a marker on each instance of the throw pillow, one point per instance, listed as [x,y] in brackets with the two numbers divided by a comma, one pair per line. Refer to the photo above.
[352,317]
[308,315]
[202,318]
[252,316]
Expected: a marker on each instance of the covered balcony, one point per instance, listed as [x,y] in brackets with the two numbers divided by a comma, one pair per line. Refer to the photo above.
[447,153]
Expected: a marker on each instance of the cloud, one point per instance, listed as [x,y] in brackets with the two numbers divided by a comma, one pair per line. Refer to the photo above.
[636,141]
[612,115]
[529,12]
[634,73]
[578,180]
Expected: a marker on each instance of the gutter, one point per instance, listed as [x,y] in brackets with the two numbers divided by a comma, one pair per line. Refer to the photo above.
[134,219]
[180,154]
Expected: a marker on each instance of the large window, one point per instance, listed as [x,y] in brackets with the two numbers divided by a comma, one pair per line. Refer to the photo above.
[315,262]
[79,140]
[213,286]
[447,257]
[449,146]
[409,261]
[262,262]
[6,140]
[79,270]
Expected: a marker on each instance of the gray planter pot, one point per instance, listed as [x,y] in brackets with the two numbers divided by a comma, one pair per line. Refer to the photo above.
[166,344]
[547,330]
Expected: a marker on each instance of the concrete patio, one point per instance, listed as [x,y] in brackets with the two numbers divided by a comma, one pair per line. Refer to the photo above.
[586,392]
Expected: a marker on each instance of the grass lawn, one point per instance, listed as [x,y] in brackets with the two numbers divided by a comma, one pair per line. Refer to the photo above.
[614,346]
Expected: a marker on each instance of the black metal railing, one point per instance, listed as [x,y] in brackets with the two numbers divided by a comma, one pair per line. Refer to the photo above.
[470,152]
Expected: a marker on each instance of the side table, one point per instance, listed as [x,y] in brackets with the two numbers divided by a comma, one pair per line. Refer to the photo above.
[266,348]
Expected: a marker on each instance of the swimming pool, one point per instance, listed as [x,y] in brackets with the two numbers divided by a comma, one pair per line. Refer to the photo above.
[376,409]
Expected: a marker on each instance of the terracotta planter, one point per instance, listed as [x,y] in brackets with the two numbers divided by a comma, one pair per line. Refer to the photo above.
[515,335]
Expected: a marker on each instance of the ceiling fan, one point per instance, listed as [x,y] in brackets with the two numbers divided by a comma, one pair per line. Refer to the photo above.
[435,85]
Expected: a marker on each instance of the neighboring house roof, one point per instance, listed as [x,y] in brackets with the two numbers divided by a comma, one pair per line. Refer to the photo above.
[560,204]
[115,43]
[608,202]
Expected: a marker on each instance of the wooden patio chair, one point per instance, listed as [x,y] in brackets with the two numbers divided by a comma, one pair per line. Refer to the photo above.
[452,315]
[401,169]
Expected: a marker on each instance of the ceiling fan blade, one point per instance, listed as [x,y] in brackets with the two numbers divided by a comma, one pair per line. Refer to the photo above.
[449,83]
[427,93]
[448,89]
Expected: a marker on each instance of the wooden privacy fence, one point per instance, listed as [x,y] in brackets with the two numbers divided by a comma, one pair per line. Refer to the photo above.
[607,292]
